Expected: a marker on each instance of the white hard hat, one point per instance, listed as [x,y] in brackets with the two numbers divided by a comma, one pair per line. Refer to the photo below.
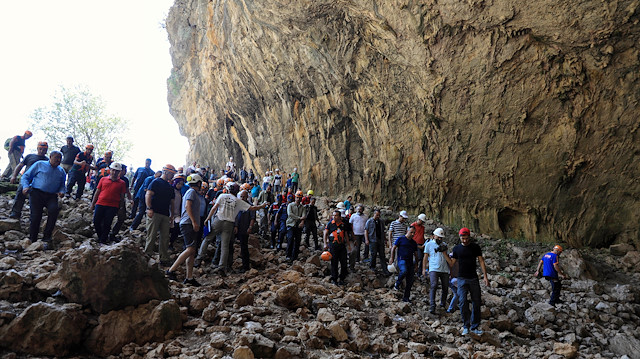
[340,205]
[194,178]
[439,232]
[392,268]
[422,217]
[116,166]
[404,214]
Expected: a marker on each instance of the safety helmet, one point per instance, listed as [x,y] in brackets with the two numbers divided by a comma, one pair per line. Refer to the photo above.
[28,133]
[204,185]
[89,146]
[464,231]
[169,168]
[299,194]
[194,178]
[439,232]
[310,192]
[245,187]
[108,154]
[43,144]
[116,166]
[326,256]
[228,180]
[233,188]
[558,247]
[392,268]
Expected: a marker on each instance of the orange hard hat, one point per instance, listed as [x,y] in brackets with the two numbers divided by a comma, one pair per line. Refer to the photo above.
[558,247]
[28,133]
[43,144]
[220,182]
[299,194]
[326,256]
[89,147]
[169,168]
[228,179]
[205,185]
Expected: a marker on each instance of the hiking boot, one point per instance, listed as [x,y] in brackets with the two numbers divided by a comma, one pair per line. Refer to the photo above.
[432,310]
[48,245]
[192,282]
[396,287]
[171,275]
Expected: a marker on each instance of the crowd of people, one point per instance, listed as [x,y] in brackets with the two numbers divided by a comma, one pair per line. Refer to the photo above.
[206,207]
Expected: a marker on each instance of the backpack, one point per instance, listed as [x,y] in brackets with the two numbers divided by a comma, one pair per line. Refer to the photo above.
[7,143]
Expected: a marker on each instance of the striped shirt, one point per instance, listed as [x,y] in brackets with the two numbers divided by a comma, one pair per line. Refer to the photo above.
[398,229]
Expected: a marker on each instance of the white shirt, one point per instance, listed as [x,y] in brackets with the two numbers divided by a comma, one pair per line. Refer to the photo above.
[231,165]
[358,221]
[229,206]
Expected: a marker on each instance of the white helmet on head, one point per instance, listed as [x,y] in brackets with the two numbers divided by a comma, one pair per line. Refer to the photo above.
[439,232]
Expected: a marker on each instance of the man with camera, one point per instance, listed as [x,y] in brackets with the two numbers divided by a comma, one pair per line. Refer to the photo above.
[434,256]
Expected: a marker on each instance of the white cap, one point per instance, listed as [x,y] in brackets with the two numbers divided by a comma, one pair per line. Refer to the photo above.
[404,214]
[422,217]
[116,166]
[439,232]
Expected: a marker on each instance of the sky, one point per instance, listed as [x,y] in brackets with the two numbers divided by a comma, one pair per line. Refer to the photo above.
[118,49]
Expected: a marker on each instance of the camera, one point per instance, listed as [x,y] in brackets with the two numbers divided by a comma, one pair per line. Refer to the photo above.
[442,248]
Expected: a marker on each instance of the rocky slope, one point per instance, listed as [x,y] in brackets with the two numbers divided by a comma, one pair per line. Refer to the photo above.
[514,118]
[84,300]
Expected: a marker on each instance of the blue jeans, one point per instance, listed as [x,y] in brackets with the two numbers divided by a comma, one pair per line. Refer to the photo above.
[556,286]
[405,269]
[471,286]
[443,278]
[453,285]
[294,235]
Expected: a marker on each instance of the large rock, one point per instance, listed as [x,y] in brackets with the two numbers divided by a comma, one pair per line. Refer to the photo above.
[499,104]
[624,344]
[149,322]
[289,297]
[9,224]
[107,278]
[45,329]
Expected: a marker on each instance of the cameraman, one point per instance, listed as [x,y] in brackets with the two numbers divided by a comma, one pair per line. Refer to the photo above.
[434,253]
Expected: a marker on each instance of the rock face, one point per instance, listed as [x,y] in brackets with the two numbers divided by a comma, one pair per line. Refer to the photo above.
[515,118]
[107,278]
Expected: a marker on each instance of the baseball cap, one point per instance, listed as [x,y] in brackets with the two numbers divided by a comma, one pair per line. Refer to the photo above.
[464,231]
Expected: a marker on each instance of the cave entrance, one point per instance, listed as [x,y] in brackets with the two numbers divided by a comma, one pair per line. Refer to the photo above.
[513,223]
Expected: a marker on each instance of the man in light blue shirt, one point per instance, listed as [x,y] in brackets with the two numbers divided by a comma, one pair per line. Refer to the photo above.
[434,252]
[43,181]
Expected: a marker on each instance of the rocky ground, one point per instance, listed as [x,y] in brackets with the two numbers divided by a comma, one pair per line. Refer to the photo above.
[84,300]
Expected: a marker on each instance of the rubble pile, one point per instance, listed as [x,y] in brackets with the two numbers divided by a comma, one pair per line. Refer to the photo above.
[88,300]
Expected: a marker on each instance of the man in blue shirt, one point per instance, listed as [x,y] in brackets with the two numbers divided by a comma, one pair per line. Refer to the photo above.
[550,270]
[27,162]
[141,174]
[43,181]
[159,201]
[407,249]
[139,196]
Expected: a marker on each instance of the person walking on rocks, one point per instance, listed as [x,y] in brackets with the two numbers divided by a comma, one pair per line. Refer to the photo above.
[374,238]
[122,209]
[140,195]
[69,153]
[310,224]
[139,176]
[406,250]
[189,227]
[43,182]
[435,264]
[15,149]
[78,172]
[296,215]
[243,227]
[358,221]
[265,196]
[466,255]
[159,201]
[419,238]
[295,179]
[397,228]
[27,162]
[550,265]
[336,239]
[226,208]
[106,201]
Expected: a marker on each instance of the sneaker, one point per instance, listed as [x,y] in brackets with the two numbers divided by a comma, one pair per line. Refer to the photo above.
[476,331]
[192,282]
[465,331]
[48,245]
[451,311]
[171,275]
[396,287]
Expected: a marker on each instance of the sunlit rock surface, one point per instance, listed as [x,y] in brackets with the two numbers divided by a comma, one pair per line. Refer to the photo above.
[515,118]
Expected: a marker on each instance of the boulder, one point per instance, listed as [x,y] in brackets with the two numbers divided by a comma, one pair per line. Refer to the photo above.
[243,352]
[631,259]
[625,344]
[566,350]
[337,332]
[45,329]
[325,315]
[540,313]
[107,278]
[620,249]
[244,298]
[574,265]
[146,323]
[289,297]
[9,224]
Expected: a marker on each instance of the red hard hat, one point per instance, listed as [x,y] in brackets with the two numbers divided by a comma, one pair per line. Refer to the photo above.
[326,256]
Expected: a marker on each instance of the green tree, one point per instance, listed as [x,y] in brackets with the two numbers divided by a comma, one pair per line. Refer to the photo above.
[79,113]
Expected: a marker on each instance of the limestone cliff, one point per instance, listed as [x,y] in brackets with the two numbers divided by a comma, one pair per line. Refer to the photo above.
[515,118]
